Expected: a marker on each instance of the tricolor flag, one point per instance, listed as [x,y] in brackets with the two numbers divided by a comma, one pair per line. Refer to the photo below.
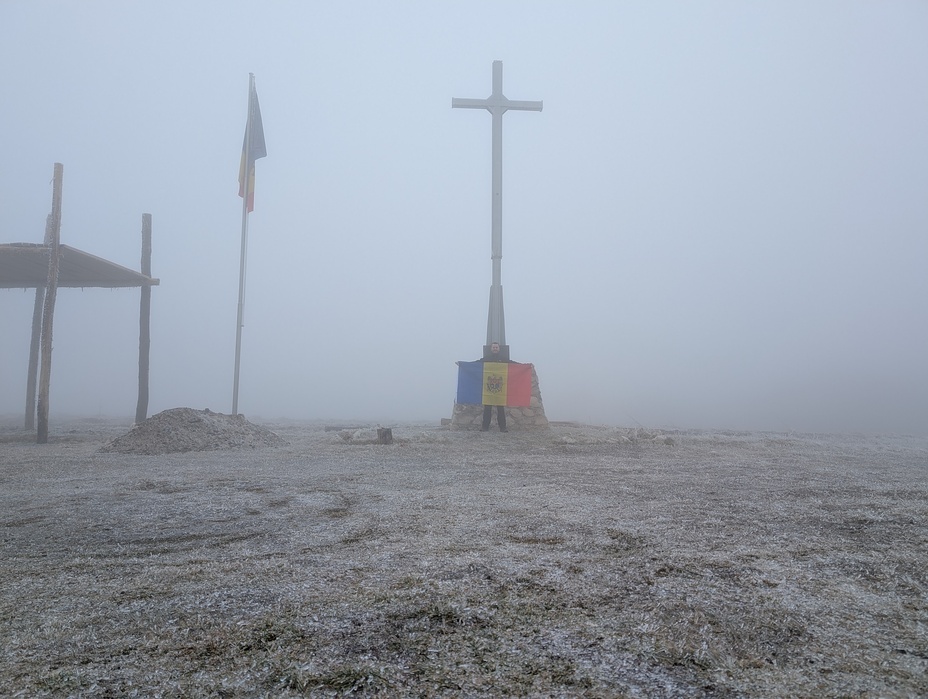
[252,149]
[495,383]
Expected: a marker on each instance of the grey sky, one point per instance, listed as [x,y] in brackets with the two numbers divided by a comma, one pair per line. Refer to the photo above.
[719,219]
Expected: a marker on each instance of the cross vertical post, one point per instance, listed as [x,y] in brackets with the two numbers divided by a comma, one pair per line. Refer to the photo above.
[497,104]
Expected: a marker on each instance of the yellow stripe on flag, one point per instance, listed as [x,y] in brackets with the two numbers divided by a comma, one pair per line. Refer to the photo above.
[495,379]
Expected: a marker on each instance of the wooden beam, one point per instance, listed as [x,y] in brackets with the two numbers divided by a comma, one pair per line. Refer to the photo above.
[48,313]
[32,376]
[141,410]
[36,340]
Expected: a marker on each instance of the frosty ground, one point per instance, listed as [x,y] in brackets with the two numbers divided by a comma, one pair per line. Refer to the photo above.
[579,561]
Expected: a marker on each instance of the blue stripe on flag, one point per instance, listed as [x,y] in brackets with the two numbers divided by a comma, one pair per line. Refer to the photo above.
[470,383]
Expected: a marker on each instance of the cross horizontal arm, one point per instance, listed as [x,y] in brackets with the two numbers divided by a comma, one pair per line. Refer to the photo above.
[523,105]
[495,103]
[465,103]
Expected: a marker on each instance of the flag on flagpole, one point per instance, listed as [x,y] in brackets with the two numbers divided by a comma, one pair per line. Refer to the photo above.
[495,383]
[252,148]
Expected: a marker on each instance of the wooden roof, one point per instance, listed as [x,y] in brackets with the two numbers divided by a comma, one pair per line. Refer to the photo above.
[25,266]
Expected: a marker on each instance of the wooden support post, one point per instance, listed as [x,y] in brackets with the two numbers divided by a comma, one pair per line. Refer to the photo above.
[34,356]
[36,339]
[48,312]
[141,410]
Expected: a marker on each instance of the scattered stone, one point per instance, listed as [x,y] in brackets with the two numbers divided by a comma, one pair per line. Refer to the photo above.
[186,429]
[364,435]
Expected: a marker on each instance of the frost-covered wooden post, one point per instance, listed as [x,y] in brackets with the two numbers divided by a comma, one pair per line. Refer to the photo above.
[141,408]
[48,312]
[36,337]
[497,105]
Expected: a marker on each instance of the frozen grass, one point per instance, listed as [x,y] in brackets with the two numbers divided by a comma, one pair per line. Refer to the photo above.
[577,562]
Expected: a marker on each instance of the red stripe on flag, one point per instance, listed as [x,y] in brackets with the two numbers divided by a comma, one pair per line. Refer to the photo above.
[519,388]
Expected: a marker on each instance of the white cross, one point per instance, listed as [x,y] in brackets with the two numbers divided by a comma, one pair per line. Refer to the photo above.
[497,104]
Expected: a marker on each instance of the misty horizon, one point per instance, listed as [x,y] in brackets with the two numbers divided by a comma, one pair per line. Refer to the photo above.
[718,221]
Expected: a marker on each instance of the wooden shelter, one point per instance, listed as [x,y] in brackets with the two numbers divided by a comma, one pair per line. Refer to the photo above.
[25,266]
[47,266]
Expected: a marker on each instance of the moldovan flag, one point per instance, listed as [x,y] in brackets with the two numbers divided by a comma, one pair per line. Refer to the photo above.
[252,149]
[495,383]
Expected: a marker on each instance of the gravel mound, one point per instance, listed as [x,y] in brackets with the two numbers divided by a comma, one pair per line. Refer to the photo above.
[186,429]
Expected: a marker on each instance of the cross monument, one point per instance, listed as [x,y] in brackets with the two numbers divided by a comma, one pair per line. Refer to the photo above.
[497,104]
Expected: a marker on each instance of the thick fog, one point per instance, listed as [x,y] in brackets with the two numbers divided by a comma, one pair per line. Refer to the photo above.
[720,219]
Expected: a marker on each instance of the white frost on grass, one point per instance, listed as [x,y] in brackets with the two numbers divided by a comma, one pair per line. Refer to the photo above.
[578,561]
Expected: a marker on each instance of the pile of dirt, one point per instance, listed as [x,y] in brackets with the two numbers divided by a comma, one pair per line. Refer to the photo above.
[186,429]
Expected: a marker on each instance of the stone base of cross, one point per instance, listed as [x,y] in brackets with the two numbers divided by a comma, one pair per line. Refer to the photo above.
[531,418]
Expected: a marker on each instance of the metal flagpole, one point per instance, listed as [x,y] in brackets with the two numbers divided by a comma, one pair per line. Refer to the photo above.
[246,154]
